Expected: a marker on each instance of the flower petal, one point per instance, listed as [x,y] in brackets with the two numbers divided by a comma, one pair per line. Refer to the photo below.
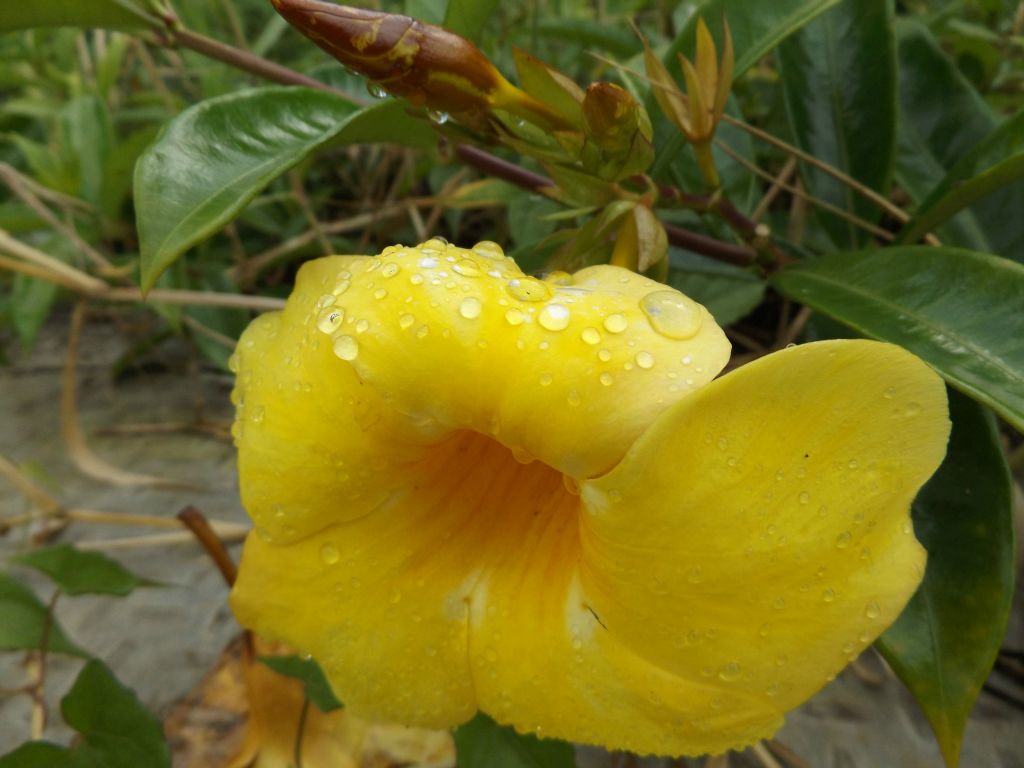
[758,536]
[458,338]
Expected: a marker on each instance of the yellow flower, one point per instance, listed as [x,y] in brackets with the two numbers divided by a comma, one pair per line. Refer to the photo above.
[477,490]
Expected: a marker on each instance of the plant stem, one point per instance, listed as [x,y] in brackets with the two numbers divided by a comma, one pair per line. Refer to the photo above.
[473,156]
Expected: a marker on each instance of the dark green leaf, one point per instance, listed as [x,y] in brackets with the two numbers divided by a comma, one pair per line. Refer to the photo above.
[482,743]
[728,292]
[25,619]
[957,310]
[80,573]
[468,17]
[839,81]
[944,121]
[37,754]
[112,14]
[945,642]
[216,156]
[117,730]
[318,690]
[757,27]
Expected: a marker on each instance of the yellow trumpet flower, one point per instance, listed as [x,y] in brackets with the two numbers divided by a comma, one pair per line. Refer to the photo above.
[476,490]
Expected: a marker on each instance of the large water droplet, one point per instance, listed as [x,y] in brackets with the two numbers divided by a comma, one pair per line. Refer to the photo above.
[872,610]
[467,268]
[346,347]
[672,314]
[406,321]
[390,270]
[514,317]
[330,319]
[591,336]
[644,360]
[528,289]
[554,317]
[616,323]
[489,250]
[470,308]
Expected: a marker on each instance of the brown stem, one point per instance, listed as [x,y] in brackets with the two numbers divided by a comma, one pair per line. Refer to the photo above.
[196,522]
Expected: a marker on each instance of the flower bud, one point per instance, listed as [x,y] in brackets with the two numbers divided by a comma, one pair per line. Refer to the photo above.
[611,116]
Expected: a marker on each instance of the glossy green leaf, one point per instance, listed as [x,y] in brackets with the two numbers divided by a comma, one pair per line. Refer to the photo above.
[839,82]
[37,754]
[468,17]
[945,642]
[482,743]
[117,731]
[728,292]
[318,690]
[25,619]
[957,310]
[944,120]
[79,573]
[756,27]
[215,157]
[111,14]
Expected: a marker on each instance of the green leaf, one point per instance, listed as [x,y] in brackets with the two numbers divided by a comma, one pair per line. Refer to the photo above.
[318,690]
[468,17]
[111,14]
[37,754]
[757,27]
[215,157]
[839,82]
[117,730]
[80,573]
[957,310]
[24,621]
[945,642]
[31,302]
[482,743]
[943,121]
[87,135]
[728,292]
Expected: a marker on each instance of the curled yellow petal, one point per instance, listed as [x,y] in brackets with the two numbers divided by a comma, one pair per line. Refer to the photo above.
[437,451]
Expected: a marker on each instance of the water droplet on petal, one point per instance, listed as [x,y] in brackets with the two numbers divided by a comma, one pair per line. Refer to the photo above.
[607,379]
[514,317]
[804,497]
[470,308]
[843,540]
[437,116]
[489,250]
[467,268]
[325,301]
[730,672]
[545,379]
[376,90]
[362,326]
[591,336]
[554,317]
[422,331]
[380,293]
[416,279]
[528,289]
[390,270]
[346,347]
[672,314]
[644,360]
[330,319]
[329,554]
[406,321]
[341,286]
[889,393]
[604,355]
[573,398]
[828,595]
[872,610]
[616,323]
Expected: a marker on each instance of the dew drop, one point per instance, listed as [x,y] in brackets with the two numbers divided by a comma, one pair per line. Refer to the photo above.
[437,116]
[329,554]
[872,610]
[489,250]
[828,595]
[545,379]
[422,331]
[528,289]
[607,379]
[416,279]
[804,497]
[428,262]
[363,326]
[644,360]
[616,323]
[912,409]
[672,314]
[730,672]
[376,90]
[467,268]
[390,270]
[573,398]
[554,317]
[852,464]
[591,336]
[341,286]
[889,393]
[604,355]
[406,321]
[514,317]
[470,308]
[325,301]
[380,293]
[843,540]
[346,347]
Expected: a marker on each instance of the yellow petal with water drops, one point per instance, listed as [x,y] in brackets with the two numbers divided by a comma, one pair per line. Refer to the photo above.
[460,338]
[776,543]
[303,418]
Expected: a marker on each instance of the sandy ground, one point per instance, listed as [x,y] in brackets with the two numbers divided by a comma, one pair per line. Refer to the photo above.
[162,641]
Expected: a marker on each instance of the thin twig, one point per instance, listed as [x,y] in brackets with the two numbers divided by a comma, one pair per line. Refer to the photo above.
[157,540]
[773,191]
[38,684]
[197,523]
[212,335]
